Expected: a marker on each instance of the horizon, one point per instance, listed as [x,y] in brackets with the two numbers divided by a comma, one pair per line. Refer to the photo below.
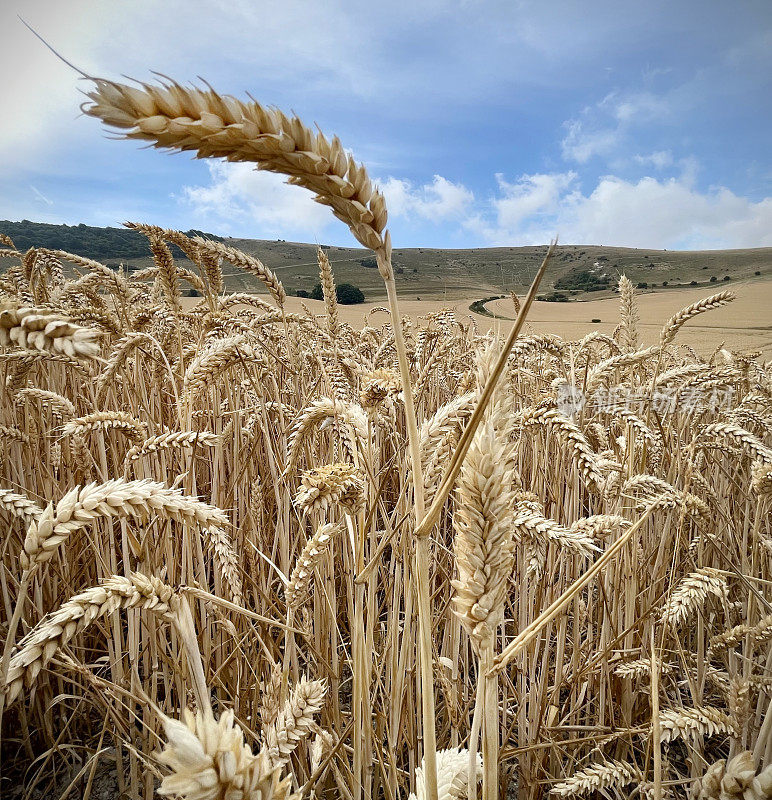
[356,246]
[618,125]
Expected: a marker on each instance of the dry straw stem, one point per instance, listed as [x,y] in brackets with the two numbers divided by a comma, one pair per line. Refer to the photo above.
[449,479]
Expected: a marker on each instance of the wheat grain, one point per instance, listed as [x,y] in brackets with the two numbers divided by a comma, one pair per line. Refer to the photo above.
[295,720]
[601,776]
[208,759]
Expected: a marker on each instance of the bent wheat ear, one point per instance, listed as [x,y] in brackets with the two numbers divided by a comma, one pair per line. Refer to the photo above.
[299,586]
[597,777]
[177,118]
[685,723]
[676,322]
[18,505]
[84,504]
[39,646]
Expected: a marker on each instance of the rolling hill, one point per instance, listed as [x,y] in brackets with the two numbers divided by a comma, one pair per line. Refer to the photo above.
[577,271]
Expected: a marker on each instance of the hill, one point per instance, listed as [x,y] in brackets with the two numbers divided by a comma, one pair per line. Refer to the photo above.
[577,270]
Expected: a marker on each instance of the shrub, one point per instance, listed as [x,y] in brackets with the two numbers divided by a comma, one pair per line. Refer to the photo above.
[349,295]
[713,278]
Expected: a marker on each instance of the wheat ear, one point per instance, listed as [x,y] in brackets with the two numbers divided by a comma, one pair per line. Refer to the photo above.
[299,587]
[208,759]
[295,720]
[601,776]
[84,504]
[674,324]
[628,329]
[174,117]
[33,329]
[39,646]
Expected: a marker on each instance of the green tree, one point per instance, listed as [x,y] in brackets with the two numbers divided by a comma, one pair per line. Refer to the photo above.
[348,294]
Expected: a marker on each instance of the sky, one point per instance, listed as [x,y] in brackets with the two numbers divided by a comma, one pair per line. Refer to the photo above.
[484,122]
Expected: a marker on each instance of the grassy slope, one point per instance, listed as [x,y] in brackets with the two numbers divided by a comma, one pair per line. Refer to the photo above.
[481,272]
[465,273]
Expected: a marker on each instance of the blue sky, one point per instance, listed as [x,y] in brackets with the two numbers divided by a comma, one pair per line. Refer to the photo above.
[486,123]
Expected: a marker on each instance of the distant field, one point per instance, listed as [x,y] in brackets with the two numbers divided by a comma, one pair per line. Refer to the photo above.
[745,324]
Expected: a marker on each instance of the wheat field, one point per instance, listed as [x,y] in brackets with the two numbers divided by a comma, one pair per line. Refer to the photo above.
[251,552]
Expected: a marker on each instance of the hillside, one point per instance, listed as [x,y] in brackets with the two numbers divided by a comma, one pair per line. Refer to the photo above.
[422,273]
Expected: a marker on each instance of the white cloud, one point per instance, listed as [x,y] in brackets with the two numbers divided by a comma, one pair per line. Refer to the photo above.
[669,213]
[636,106]
[581,144]
[529,198]
[658,159]
[602,129]
[659,213]
[439,200]
[240,198]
